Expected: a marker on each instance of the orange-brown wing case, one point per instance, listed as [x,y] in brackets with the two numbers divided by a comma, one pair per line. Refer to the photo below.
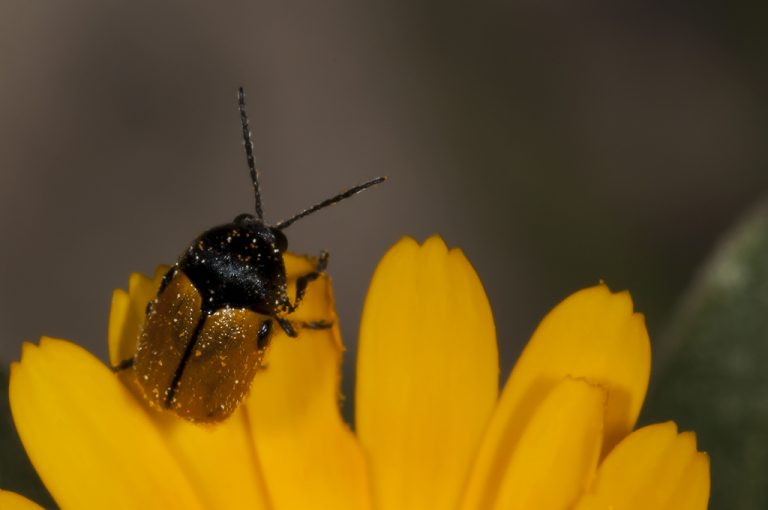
[204,380]
[224,360]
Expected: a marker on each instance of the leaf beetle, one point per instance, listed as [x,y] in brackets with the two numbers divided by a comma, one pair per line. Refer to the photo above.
[206,332]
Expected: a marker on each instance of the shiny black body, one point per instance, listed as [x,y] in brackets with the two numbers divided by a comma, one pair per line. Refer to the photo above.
[239,265]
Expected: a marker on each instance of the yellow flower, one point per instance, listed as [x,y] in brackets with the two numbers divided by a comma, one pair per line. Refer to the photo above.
[432,431]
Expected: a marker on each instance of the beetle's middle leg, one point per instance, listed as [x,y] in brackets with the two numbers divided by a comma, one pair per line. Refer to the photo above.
[263,335]
[304,280]
[290,327]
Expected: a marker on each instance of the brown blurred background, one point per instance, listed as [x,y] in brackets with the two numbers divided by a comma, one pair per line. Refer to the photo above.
[556,142]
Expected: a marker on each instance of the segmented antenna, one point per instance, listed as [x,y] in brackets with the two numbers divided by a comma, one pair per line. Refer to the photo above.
[325,203]
[249,152]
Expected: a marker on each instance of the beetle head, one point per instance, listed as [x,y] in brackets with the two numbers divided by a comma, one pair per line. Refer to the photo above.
[272,235]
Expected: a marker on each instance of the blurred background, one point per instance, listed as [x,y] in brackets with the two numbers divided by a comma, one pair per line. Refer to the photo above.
[557,143]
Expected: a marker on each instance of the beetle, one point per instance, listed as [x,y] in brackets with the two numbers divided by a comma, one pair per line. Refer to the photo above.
[207,330]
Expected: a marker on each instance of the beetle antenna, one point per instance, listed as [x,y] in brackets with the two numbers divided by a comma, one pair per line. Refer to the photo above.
[249,152]
[325,203]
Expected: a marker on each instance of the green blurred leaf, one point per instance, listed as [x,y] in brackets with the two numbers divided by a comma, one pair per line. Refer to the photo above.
[714,359]
[16,472]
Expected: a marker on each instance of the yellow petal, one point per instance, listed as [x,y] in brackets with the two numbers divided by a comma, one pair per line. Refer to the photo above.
[593,335]
[654,467]
[427,374]
[310,457]
[91,442]
[126,315]
[219,460]
[558,451]
[692,492]
[12,501]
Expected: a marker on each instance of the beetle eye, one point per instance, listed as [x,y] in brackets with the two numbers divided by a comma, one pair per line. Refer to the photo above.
[244,218]
[280,240]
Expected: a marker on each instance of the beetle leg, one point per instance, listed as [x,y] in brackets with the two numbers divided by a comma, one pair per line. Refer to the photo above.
[286,326]
[163,284]
[290,327]
[123,365]
[303,281]
[167,277]
[262,337]
[317,325]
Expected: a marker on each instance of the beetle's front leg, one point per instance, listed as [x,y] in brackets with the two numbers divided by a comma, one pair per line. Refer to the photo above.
[304,280]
